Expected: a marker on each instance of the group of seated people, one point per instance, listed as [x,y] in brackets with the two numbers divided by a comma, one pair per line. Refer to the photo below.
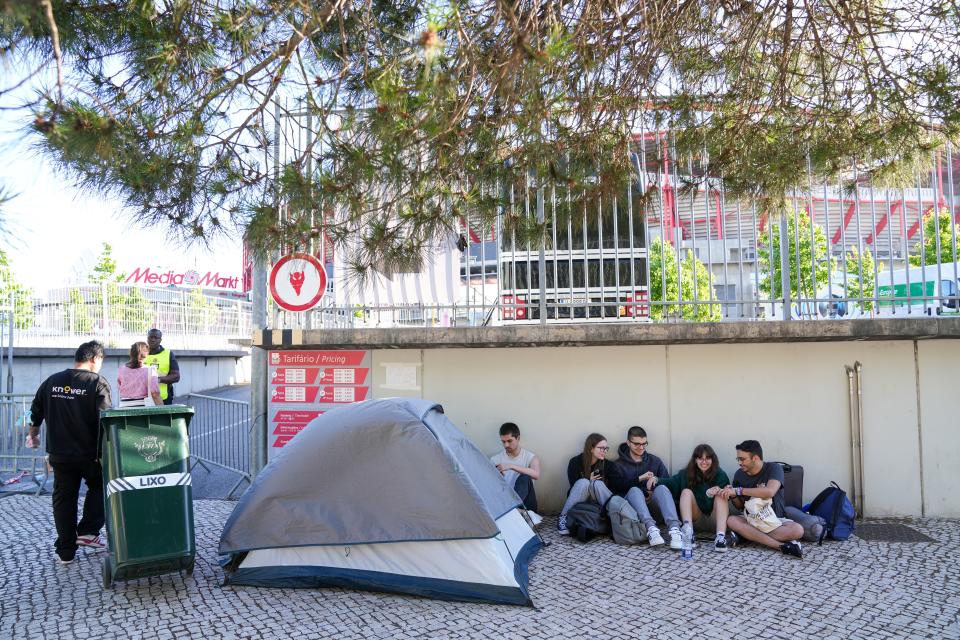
[708,500]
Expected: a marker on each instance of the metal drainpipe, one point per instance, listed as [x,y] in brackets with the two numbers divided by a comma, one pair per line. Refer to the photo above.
[855,443]
[854,459]
[857,367]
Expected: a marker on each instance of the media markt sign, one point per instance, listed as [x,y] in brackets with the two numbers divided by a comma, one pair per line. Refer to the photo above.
[189,278]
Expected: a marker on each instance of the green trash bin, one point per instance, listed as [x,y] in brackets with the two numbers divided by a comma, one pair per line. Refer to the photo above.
[148,496]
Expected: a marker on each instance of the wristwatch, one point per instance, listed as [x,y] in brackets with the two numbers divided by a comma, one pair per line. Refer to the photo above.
[739,492]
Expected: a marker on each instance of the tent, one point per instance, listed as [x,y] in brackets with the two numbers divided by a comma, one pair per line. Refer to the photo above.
[383,495]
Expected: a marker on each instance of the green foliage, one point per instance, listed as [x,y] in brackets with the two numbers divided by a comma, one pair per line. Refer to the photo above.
[200,312]
[810,256]
[679,286]
[76,314]
[105,275]
[940,239]
[22,296]
[861,282]
[106,268]
[812,269]
[171,105]
[137,312]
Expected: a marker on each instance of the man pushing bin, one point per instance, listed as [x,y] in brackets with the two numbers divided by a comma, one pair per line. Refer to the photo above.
[69,402]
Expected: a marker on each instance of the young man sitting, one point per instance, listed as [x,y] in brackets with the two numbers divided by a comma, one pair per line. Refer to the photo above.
[637,466]
[518,466]
[758,479]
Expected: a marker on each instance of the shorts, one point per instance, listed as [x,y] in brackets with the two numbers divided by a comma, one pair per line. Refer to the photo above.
[705,524]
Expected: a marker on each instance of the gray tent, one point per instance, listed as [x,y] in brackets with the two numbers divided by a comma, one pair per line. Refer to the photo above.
[385,495]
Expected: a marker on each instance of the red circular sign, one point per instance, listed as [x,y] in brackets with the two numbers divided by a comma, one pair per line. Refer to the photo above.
[297,282]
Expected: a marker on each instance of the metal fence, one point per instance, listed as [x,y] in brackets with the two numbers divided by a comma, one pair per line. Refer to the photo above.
[219,439]
[851,248]
[675,247]
[220,436]
[20,467]
[121,314]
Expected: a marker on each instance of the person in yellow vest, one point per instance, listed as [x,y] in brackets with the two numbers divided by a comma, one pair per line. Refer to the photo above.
[168,370]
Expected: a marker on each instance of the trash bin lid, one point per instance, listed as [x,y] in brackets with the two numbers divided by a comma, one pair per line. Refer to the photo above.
[170,409]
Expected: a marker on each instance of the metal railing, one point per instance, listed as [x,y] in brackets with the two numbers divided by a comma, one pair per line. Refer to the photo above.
[18,464]
[842,249]
[121,314]
[674,246]
[220,436]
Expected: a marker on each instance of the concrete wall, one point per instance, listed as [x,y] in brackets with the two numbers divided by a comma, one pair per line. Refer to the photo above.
[784,384]
[793,398]
[939,431]
[199,370]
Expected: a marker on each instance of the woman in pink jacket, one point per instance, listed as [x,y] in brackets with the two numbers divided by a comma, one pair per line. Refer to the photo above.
[135,382]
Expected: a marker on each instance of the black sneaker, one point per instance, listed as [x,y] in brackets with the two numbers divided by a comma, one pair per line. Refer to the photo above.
[732,539]
[792,549]
[720,543]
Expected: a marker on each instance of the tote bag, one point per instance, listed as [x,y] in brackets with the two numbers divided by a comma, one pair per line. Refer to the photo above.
[759,513]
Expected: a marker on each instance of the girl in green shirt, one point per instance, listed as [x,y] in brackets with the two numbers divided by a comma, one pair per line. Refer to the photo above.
[695,488]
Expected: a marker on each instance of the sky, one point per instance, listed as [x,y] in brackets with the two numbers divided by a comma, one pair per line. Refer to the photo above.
[55,232]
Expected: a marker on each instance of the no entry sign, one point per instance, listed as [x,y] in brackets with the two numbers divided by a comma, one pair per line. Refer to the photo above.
[297,282]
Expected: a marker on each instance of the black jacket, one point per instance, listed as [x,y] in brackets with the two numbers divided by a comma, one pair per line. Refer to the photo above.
[70,403]
[610,475]
[631,470]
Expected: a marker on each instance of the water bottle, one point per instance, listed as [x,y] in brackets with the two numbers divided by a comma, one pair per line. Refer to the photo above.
[686,548]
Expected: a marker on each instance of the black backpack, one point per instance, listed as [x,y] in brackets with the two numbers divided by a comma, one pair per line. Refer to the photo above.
[586,520]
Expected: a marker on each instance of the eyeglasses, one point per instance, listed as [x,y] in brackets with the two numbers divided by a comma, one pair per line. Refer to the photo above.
[637,444]
[602,448]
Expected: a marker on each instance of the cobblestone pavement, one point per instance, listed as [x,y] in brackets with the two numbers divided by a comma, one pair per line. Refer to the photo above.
[854,589]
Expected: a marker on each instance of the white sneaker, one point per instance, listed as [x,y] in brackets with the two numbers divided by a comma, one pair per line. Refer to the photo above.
[676,539]
[654,537]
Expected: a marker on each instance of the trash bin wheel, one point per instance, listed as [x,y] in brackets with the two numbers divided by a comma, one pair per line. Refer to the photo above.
[107,578]
[189,569]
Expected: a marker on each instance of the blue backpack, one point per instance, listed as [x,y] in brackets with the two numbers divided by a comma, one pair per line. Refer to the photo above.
[836,510]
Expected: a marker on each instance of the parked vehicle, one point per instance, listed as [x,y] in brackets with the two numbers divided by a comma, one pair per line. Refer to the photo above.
[931,290]
[831,303]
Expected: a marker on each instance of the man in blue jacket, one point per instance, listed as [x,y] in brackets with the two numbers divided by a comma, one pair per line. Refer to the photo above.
[636,466]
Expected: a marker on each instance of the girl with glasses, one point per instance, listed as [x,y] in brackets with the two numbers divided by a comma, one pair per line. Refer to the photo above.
[592,478]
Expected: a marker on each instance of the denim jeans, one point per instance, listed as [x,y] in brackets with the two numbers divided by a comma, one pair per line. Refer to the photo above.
[583,490]
[662,503]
